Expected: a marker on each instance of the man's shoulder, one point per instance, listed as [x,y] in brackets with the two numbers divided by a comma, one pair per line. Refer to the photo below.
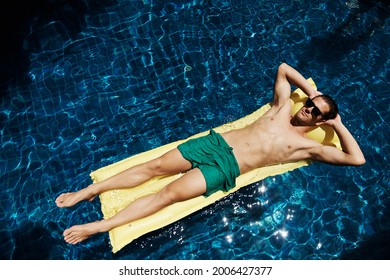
[281,109]
[282,115]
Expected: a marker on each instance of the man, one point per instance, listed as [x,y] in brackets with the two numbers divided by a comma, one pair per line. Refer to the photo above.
[213,162]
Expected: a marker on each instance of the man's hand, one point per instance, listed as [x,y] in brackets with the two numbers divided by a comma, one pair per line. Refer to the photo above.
[315,93]
[334,122]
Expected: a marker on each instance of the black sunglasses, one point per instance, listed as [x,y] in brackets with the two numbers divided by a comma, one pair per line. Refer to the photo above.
[315,112]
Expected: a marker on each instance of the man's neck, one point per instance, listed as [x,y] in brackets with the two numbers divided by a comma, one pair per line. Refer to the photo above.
[298,127]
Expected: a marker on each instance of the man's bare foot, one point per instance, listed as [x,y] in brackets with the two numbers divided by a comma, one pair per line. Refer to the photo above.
[79,233]
[70,199]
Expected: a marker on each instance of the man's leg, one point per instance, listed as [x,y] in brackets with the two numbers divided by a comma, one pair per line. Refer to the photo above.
[170,163]
[190,185]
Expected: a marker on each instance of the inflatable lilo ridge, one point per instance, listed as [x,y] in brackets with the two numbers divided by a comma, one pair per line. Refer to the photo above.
[114,201]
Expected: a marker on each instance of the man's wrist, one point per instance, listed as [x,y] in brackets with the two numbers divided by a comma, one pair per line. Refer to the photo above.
[337,125]
[312,93]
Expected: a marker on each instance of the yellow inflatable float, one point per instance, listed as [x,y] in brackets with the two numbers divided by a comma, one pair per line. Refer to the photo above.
[114,201]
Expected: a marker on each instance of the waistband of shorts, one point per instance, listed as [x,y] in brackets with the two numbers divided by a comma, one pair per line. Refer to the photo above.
[226,145]
[219,136]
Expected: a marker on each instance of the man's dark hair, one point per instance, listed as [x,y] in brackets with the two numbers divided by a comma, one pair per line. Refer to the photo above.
[333,108]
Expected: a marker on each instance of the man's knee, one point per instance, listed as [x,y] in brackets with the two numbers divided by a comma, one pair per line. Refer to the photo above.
[169,196]
[155,167]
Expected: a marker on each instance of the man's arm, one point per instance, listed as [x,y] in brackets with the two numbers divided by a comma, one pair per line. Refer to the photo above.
[351,153]
[285,77]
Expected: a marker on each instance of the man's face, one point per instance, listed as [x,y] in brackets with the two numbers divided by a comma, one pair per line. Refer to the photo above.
[312,112]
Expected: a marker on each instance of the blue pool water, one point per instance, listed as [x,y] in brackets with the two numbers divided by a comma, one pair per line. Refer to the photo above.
[87,83]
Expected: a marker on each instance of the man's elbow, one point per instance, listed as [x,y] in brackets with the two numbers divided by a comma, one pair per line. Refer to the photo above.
[283,66]
[360,160]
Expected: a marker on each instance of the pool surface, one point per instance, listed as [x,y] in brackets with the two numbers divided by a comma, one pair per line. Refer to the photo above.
[87,83]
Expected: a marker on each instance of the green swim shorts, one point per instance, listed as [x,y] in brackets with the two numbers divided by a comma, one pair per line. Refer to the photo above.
[215,159]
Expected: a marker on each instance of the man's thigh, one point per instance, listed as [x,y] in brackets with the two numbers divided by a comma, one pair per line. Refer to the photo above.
[190,185]
[173,162]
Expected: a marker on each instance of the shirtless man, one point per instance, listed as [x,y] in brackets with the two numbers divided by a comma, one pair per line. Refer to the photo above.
[275,137]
